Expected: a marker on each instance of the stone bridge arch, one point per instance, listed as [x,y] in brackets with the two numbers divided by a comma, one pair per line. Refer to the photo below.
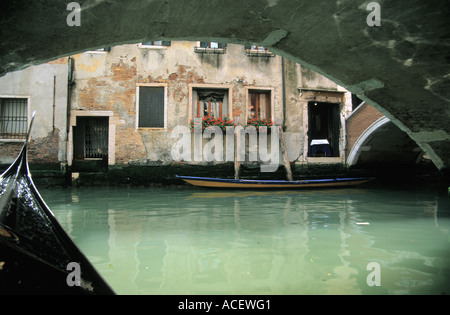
[400,67]
[374,142]
[360,126]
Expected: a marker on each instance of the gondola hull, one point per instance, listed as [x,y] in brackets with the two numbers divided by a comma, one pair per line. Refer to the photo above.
[210,182]
[35,251]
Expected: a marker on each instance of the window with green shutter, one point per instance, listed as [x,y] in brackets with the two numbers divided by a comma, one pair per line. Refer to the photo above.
[151,107]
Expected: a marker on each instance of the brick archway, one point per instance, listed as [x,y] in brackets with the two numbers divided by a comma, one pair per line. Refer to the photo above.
[357,146]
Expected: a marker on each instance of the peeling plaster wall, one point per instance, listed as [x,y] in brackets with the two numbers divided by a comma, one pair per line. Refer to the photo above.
[400,67]
[48,136]
[107,81]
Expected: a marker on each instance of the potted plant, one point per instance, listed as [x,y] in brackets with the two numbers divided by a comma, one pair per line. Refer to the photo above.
[207,121]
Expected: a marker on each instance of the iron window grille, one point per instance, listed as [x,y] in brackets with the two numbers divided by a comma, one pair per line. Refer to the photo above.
[13,118]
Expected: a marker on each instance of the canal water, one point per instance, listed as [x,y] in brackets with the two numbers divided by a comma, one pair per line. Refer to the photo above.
[196,241]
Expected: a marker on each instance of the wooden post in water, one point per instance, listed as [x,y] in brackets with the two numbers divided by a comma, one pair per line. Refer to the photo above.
[287,164]
[237,163]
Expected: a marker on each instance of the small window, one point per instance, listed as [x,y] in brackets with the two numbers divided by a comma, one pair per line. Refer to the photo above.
[13,118]
[259,105]
[211,48]
[212,45]
[258,51]
[260,48]
[210,102]
[157,43]
[151,107]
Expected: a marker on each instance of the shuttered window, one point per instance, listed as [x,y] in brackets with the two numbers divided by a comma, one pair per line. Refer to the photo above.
[212,45]
[210,102]
[13,118]
[157,43]
[151,107]
[259,104]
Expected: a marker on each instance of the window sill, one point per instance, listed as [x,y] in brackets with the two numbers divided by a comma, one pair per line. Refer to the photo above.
[152,128]
[324,160]
[218,51]
[259,53]
[152,47]
[12,140]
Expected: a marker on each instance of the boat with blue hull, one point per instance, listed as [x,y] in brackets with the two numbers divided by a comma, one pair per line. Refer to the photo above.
[212,182]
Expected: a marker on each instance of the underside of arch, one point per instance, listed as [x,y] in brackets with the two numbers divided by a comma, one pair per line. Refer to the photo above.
[400,67]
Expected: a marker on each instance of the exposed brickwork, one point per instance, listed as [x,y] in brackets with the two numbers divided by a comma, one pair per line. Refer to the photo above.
[9,150]
[41,150]
[361,119]
[90,96]
[123,72]
[117,93]
[44,150]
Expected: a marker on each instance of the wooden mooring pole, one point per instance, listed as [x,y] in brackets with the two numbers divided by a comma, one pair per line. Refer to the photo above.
[237,163]
[284,152]
[286,162]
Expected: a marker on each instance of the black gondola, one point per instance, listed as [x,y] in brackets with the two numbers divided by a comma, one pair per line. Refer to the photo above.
[35,251]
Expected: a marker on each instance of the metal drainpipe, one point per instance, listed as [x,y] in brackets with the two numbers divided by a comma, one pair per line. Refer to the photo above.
[69,93]
[283,80]
[54,103]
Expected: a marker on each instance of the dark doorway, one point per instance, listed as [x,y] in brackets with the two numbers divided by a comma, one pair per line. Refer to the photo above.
[324,124]
[91,142]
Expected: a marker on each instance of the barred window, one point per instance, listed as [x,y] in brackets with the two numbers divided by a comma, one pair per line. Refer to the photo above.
[13,118]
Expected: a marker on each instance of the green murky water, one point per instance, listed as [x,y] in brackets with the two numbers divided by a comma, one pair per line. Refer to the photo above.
[196,241]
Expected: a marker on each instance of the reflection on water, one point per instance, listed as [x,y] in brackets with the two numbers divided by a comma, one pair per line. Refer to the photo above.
[195,241]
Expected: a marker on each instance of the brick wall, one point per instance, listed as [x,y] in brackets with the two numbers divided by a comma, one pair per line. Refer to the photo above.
[41,150]
[44,150]
[359,121]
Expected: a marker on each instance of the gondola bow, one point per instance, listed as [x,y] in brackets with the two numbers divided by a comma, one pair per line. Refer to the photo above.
[35,251]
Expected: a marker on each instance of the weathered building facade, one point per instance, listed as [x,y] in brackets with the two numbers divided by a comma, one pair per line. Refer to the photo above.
[143,91]
[42,89]
[116,109]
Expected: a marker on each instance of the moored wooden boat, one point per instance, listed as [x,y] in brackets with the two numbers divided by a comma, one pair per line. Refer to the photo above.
[35,251]
[272,184]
